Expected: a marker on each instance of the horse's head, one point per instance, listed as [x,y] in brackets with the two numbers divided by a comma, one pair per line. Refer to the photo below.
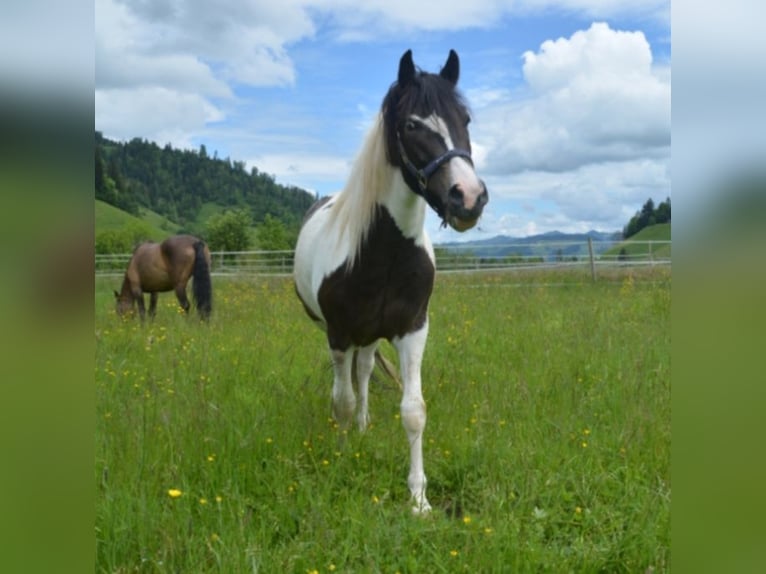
[426,130]
[124,303]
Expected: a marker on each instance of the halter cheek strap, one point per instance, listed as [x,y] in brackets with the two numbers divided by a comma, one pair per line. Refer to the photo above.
[423,175]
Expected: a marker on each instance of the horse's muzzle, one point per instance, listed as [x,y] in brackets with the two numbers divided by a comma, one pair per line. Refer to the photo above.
[463,211]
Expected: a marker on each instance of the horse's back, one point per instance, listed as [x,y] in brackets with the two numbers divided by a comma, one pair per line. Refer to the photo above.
[162,266]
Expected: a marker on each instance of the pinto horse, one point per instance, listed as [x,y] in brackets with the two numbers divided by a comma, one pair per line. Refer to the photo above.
[364,265]
[167,266]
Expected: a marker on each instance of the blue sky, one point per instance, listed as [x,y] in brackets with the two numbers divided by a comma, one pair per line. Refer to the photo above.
[570,98]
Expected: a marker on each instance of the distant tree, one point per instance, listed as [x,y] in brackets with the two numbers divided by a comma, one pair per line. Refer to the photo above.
[271,235]
[647,216]
[100,181]
[229,231]
[118,192]
[662,215]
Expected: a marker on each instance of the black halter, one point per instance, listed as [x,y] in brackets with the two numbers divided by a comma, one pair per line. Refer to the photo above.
[422,175]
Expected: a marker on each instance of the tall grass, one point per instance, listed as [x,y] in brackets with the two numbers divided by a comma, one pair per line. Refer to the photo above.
[546,449]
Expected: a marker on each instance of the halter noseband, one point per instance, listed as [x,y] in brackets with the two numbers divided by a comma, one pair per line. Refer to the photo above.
[422,175]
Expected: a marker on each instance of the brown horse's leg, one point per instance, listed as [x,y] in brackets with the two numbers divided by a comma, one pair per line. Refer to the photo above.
[182,298]
[141,309]
[153,303]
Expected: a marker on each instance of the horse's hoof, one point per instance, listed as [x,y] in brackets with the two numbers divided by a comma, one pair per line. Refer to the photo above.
[422,509]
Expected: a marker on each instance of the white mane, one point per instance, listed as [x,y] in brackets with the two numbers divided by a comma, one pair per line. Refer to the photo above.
[371,176]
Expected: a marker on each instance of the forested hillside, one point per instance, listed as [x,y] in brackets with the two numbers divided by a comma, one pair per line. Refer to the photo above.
[177,183]
[648,216]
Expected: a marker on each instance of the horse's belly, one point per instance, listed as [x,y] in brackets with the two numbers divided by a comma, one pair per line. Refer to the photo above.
[158,281]
[360,308]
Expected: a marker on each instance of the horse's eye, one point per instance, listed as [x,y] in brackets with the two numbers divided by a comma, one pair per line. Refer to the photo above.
[410,126]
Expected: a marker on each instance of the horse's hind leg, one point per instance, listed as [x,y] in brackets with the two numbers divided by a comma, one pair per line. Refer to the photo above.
[343,398]
[365,362]
[153,304]
[413,410]
[183,300]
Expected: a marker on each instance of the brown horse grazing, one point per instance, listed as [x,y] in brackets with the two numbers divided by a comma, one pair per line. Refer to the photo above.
[166,266]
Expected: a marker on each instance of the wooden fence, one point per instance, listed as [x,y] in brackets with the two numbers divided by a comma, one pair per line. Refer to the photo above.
[453,258]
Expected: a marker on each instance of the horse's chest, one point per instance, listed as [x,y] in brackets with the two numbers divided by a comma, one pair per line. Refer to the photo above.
[385,294]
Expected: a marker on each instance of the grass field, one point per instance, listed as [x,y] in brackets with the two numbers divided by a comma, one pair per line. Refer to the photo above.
[546,449]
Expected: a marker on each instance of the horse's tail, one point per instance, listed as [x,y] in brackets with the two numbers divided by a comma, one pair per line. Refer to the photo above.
[202,288]
[388,369]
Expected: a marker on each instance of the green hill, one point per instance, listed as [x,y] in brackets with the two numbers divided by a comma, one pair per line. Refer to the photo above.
[182,185]
[636,247]
[110,218]
[118,231]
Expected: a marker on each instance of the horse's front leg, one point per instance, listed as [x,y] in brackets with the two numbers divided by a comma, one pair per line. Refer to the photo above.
[153,304]
[343,398]
[413,411]
[139,298]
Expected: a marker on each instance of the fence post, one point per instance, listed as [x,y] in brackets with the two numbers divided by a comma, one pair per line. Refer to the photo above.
[592,260]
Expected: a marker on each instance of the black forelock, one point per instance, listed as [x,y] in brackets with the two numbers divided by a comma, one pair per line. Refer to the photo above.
[424,94]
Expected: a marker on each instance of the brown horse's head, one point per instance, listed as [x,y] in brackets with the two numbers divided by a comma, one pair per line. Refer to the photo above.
[124,303]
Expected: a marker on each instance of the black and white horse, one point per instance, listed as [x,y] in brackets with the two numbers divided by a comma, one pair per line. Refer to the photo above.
[364,265]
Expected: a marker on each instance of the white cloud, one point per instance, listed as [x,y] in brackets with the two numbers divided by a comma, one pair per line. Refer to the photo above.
[593,97]
[143,43]
[157,114]
[301,169]
[356,21]
[602,196]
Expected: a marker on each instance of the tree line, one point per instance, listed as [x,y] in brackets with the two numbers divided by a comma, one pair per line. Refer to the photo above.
[177,183]
[649,215]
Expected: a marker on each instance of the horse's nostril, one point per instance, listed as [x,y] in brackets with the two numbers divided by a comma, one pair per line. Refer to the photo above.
[455,195]
[483,198]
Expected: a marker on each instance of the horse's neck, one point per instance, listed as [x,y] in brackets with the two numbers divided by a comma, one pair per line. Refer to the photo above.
[374,181]
[407,209]
[126,290]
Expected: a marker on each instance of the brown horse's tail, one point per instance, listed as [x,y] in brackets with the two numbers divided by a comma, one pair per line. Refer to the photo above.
[202,288]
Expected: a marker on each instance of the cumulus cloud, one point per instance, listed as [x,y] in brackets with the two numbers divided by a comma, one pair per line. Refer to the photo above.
[361,21]
[174,44]
[593,97]
[302,170]
[163,67]
[154,113]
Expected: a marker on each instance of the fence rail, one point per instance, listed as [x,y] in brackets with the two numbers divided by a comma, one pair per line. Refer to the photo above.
[453,258]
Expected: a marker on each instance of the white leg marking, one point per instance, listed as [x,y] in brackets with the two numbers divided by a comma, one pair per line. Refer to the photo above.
[413,411]
[343,399]
[365,362]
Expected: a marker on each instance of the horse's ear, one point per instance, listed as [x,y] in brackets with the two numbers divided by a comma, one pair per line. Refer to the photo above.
[406,68]
[451,70]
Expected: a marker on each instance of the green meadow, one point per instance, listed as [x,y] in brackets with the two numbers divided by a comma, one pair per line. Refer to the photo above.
[547,445]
